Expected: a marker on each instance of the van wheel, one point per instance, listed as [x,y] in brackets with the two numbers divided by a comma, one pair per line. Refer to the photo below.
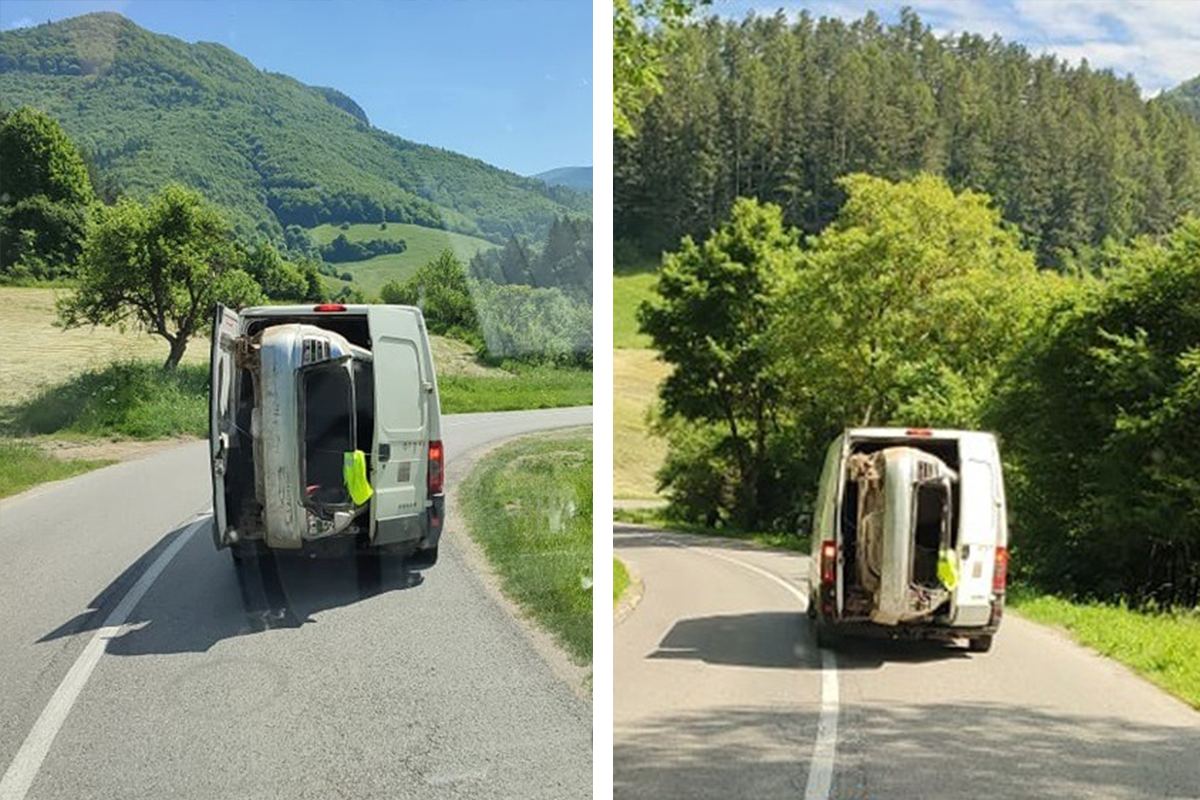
[979,644]
[423,558]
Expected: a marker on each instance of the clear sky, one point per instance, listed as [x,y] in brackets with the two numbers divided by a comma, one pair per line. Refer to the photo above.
[1157,41]
[506,81]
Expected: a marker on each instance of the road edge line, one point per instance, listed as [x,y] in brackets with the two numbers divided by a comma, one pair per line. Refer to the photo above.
[19,776]
[820,767]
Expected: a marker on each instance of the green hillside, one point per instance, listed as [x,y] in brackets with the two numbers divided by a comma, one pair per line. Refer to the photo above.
[273,151]
[1186,96]
[423,245]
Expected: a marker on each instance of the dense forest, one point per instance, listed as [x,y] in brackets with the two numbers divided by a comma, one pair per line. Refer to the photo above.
[778,110]
[149,109]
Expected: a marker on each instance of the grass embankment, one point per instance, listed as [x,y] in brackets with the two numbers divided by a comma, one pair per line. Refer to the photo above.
[1163,647]
[423,245]
[529,506]
[620,581]
[519,387]
[23,465]
[654,517]
[637,372]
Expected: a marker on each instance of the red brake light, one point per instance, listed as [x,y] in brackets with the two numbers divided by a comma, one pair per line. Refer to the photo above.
[919,432]
[828,562]
[437,470]
[324,307]
[1000,573]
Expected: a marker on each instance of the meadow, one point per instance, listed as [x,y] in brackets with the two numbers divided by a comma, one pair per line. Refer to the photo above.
[637,372]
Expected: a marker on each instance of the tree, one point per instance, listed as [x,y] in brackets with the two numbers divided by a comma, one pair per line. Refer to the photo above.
[637,55]
[39,159]
[280,280]
[163,266]
[712,320]
[442,291]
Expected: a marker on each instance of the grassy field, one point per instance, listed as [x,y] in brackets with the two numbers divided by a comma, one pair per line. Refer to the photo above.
[620,581]
[637,454]
[529,506]
[654,517]
[38,355]
[424,244]
[23,465]
[1165,648]
[524,387]
[629,290]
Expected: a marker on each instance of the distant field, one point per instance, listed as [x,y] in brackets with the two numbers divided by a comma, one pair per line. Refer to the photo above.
[36,354]
[424,244]
[629,290]
[636,454]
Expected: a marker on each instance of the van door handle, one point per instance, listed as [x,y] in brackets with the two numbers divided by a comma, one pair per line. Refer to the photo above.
[385,452]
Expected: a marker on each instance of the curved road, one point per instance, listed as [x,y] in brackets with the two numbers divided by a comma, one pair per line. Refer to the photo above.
[318,681]
[719,690]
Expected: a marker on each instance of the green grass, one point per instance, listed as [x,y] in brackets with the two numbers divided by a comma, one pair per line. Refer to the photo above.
[620,581]
[529,506]
[131,398]
[523,387]
[629,290]
[656,518]
[23,465]
[1163,647]
[637,454]
[424,244]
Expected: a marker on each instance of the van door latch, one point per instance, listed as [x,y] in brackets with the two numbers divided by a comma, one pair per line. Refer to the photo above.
[385,452]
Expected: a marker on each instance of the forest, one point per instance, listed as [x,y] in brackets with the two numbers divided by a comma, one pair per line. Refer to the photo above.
[779,110]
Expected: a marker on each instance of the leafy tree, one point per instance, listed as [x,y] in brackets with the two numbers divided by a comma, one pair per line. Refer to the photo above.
[279,279]
[531,324]
[637,54]
[442,291]
[39,160]
[163,266]
[712,321]
[1099,417]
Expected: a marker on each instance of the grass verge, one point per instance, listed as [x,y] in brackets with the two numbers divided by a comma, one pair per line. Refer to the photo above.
[630,289]
[656,518]
[637,455]
[620,581]
[1163,647]
[23,465]
[131,398]
[529,506]
[522,387]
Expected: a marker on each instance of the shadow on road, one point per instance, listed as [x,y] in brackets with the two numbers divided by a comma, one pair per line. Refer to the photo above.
[777,639]
[934,752]
[201,598]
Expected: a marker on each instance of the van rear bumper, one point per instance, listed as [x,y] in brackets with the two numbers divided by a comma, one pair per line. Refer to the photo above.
[913,631]
[421,530]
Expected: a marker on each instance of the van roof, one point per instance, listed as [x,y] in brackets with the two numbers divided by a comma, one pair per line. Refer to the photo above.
[914,433]
[291,311]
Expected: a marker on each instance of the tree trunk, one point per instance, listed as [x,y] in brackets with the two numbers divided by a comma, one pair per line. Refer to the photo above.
[178,346]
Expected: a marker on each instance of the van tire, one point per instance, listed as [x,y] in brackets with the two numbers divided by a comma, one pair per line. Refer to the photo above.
[423,558]
[979,644]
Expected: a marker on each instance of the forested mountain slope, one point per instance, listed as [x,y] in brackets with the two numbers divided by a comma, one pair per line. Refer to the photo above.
[778,109]
[150,109]
[1186,96]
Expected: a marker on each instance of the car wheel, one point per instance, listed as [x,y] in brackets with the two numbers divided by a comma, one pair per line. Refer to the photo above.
[979,644]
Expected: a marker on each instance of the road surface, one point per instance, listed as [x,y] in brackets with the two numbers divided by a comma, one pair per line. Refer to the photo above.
[325,682]
[719,687]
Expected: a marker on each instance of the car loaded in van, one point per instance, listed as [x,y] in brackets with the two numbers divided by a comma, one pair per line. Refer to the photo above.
[325,422]
[910,536]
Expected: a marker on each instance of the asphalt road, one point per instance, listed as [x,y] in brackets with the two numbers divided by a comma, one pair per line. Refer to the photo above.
[325,681]
[719,689]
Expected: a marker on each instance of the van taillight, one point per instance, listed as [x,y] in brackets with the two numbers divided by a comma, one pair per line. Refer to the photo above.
[325,307]
[828,562]
[1000,573]
[436,468]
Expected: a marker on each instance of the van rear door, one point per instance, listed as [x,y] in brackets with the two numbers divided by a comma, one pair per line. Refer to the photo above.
[222,411]
[981,529]
[401,416]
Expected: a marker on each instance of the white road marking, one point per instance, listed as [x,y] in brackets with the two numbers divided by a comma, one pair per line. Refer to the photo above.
[820,768]
[24,767]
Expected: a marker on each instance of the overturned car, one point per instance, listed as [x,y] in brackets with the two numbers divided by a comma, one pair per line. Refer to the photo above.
[325,422]
[910,536]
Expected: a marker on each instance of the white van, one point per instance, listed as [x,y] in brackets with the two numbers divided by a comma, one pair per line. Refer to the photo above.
[325,422]
[910,536]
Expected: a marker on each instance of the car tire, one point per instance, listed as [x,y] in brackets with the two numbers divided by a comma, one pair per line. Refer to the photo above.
[979,644]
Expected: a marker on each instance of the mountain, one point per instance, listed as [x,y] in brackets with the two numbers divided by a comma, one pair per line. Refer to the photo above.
[1186,97]
[574,177]
[273,151]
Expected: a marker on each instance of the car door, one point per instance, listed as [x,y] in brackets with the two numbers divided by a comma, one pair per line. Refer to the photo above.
[402,389]
[221,410]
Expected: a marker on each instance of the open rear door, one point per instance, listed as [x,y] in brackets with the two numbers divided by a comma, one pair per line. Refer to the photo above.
[401,420]
[221,412]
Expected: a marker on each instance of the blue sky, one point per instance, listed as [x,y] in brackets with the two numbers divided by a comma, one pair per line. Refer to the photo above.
[1157,41]
[506,81]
